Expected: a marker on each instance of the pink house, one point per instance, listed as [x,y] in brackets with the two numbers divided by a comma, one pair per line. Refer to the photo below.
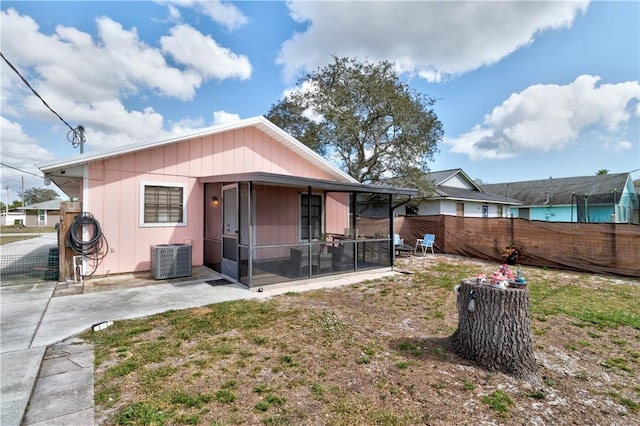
[250,201]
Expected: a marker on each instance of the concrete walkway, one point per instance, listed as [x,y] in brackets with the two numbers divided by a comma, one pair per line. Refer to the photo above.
[52,375]
[41,242]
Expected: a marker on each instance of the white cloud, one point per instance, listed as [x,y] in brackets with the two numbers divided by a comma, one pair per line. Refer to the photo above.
[225,14]
[307,87]
[117,63]
[430,38]
[72,63]
[87,78]
[546,117]
[138,64]
[223,117]
[186,125]
[200,52]
[13,139]
[174,13]
[20,151]
[620,146]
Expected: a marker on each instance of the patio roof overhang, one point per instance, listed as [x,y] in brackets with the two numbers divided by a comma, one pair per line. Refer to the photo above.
[296,181]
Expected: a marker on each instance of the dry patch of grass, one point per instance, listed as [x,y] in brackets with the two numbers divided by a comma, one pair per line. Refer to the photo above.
[10,229]
[375,353]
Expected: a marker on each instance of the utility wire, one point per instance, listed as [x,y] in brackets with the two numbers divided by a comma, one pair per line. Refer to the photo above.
[23,171]
[75,136]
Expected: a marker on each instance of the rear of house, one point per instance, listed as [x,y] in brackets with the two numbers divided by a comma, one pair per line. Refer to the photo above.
[252,202]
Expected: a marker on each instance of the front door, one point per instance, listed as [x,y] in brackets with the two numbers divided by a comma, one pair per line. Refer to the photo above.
[230,231]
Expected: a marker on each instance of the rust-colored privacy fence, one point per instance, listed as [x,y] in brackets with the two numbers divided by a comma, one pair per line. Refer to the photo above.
[590,247]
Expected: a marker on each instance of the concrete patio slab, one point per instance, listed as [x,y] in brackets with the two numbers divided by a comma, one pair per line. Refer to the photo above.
[64,389]
[19,373]
[21,310]
[71,315]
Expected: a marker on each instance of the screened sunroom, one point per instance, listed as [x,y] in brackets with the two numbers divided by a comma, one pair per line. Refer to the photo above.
[263,228]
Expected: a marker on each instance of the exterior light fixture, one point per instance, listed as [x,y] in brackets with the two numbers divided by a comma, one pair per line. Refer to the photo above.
[215,201]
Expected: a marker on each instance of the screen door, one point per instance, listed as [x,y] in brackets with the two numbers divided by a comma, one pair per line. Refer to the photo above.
[230,231]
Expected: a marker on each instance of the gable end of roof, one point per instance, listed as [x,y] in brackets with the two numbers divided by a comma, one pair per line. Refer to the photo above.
[259,122]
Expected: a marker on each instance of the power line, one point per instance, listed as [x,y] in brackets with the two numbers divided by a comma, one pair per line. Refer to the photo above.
[23,171]
[77,134]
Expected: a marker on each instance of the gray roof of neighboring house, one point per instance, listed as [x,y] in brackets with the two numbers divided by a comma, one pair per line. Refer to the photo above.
[440,176]
[45,205]
[472,195]
[560,191]
[478,194]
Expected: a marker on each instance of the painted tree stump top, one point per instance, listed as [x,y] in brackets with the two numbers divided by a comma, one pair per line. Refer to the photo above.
[494,329]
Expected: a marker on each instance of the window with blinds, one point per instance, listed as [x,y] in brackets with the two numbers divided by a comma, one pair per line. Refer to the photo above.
[163,204]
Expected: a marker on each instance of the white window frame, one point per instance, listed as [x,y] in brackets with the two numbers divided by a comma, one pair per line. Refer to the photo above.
[144,184]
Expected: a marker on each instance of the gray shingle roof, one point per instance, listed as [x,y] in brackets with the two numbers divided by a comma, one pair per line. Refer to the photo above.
[440,177]
[45,205]
[472,195]
[560,190]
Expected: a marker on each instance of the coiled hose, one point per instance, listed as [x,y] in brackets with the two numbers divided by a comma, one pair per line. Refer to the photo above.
[96,247]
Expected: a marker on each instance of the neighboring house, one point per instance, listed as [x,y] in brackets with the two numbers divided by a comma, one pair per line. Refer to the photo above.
[13,217]
[252,202]
[598,198]
[456,194]
[46,213]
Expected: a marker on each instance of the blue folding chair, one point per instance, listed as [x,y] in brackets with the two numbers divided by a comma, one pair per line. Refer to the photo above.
[425,244]
[401,249]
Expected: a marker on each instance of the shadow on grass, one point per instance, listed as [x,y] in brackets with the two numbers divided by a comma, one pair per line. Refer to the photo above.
[429,349]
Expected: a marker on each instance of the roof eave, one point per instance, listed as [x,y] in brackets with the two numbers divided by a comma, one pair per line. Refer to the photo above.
[259,122]
[323,184]
[476,200]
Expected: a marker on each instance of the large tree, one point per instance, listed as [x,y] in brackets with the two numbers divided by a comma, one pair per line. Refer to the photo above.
[361,115]
[38,195]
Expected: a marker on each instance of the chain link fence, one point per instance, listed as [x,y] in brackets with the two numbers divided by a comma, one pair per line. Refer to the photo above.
[30,261]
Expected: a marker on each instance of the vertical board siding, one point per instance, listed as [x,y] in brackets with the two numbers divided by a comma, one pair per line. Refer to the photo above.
[184,158]
[336,213]
[195,157]
[114,186]
[276,215]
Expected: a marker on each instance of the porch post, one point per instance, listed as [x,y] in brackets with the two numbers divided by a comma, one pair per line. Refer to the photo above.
[392,227]
[251,242]
[354,224]
[309,256]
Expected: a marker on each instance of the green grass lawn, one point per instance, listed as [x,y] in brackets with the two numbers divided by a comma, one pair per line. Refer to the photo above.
[373,353]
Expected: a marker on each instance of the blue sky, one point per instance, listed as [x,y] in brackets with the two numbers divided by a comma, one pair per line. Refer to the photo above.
[526,90]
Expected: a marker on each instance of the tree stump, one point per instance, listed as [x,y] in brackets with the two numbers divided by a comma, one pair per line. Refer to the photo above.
[497,333]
